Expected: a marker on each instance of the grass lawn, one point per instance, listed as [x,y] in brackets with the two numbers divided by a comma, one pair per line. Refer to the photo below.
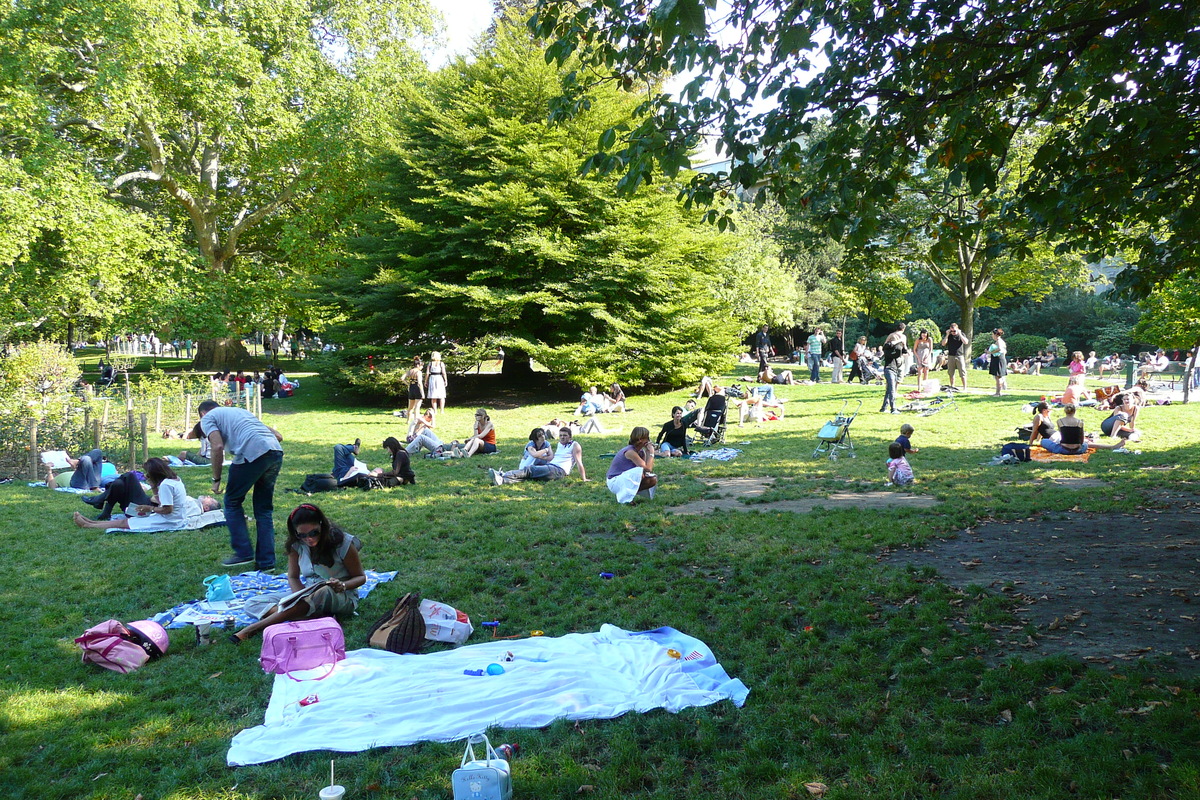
[870,678]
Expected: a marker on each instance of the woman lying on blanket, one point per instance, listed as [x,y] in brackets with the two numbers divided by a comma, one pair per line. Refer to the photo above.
[168,510]
[88,471]
[317,549]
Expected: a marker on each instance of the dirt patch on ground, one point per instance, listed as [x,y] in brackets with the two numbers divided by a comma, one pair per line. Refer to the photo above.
[734,491]
[1106,588]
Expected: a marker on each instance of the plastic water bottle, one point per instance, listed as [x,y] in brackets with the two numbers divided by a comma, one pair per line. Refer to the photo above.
[508,751]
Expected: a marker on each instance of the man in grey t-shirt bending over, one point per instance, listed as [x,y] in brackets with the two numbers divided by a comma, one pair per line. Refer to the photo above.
[256,463]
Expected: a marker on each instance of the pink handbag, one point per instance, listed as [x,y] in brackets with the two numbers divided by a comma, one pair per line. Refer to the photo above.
[307,644]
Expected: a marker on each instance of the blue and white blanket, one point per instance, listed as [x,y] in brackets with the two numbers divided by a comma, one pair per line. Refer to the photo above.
[245,587]
[720,454]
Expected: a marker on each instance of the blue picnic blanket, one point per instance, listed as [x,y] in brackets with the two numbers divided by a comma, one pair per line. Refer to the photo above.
[720,454]
[245,586]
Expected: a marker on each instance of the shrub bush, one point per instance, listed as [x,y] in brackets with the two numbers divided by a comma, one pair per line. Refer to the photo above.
[1024,345]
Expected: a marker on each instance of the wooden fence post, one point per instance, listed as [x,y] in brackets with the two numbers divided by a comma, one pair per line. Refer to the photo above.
[145,441]
[132,434]
[87,424]
[158,415]
[105,422]
[96,431]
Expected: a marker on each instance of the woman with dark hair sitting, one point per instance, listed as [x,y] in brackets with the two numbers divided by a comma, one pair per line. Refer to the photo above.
[401,471]
[316,549]
[168,508]
[674,435]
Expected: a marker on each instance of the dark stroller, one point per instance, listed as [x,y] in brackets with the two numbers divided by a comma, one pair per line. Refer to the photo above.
[711,426]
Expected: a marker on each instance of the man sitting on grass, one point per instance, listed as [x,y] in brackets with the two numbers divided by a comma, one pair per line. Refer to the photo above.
[567,454]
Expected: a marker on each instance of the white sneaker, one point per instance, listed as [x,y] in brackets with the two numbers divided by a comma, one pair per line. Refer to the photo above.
[497,478]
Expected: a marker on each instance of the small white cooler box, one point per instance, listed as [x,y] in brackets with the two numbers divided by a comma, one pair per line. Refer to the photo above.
[486,779]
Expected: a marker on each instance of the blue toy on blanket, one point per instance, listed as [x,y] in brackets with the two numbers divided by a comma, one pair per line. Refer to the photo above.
[245,587]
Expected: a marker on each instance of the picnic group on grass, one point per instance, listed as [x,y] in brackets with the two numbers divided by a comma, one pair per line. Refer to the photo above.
[245,455]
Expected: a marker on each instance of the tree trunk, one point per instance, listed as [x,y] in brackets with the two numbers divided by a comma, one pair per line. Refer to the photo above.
[516,369]
[966,322]
[222,354]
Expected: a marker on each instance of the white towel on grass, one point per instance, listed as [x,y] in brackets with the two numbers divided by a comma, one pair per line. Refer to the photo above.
[379,699]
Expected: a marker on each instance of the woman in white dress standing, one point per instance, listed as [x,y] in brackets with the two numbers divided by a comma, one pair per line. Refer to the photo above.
[435,379]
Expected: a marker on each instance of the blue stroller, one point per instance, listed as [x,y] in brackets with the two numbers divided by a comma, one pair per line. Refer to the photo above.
[834,435]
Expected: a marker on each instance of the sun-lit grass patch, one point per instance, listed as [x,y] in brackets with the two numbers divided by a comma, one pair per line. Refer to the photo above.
[865,677]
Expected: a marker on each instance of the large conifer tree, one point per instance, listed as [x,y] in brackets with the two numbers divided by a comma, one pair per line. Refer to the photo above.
[487,229]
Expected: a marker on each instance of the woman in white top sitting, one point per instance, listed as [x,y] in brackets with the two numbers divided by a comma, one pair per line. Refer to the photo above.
[169,508]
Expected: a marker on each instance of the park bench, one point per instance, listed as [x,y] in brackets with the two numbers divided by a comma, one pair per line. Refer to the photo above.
[1174,373]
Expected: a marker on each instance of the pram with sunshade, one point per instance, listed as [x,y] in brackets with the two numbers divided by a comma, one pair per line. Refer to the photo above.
[834,436]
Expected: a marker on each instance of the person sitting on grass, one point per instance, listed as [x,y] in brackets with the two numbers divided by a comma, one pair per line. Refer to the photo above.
[674,435]
[1076,393]
[316,549]
[1072,440]
[631,474]
[201,455]
[537,449]
[168,509]
[615,398]
[905,438]
[1120,423]
[422,435]
[592,402]
[482,439]
[899,471]
[1042,428]
[568,454]
[401,472]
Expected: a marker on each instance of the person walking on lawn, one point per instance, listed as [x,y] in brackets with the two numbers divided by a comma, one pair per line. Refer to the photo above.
[257,459]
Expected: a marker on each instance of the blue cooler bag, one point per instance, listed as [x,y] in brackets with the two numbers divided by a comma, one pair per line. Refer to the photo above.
[486,779]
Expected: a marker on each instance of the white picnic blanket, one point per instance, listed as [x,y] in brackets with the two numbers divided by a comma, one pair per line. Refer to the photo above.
[378,699]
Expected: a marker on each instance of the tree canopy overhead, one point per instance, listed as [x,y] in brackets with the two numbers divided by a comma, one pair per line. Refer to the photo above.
[215,119]
[937,81]
[488,229]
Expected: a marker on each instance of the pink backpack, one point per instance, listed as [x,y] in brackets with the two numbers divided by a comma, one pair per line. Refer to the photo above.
[123,649]
[309,643]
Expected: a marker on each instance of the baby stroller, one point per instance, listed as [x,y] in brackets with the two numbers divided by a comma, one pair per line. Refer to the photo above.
[871,371]
[835,434]
[711,426]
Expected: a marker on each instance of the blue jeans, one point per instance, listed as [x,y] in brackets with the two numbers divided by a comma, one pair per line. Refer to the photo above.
[814,363]
[766,392]
[260,475]
[343,460]
[1051,446]
[891,376]
[87,471]
[535,472]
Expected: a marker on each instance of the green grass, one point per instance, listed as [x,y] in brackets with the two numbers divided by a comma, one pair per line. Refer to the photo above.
[858,678]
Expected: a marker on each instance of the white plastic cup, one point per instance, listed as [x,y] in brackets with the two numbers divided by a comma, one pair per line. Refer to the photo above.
[203,633]
[334,792]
